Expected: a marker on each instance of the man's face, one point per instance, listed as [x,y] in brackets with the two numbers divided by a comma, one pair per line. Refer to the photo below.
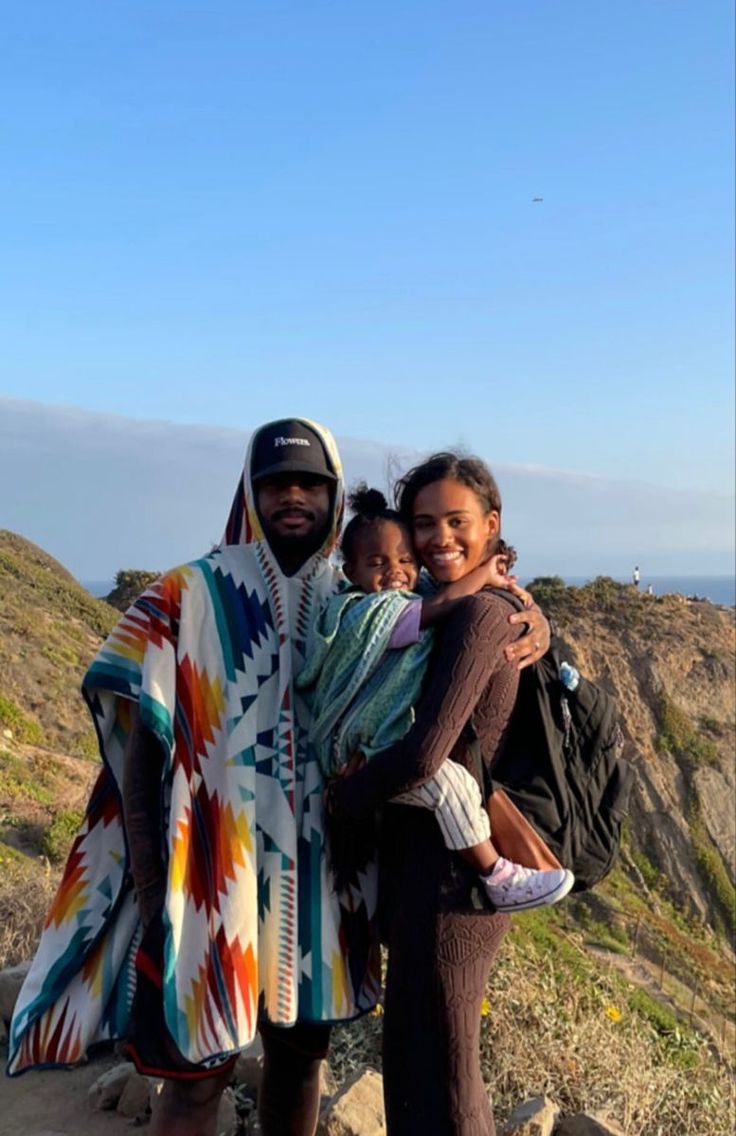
[295,511]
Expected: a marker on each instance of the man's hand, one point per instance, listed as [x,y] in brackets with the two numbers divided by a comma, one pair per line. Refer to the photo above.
[521,593]
[357,761]
[535,643]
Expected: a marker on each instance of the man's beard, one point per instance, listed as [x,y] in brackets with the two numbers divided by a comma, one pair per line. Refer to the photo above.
[295,548]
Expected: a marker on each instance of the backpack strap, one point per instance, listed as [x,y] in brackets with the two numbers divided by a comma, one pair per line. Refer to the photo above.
[513,836]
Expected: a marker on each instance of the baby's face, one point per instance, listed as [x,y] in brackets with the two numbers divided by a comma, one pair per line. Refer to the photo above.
[383,559]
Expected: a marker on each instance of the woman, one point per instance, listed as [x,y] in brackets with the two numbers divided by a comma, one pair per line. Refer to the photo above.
[442,939]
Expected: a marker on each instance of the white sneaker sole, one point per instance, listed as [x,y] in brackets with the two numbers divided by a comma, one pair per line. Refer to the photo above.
[539,901]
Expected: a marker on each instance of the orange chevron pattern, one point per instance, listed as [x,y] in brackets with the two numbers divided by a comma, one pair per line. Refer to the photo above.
[72,893]
[201,705]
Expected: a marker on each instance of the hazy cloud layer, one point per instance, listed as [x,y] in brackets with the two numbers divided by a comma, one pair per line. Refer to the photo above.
[104,492]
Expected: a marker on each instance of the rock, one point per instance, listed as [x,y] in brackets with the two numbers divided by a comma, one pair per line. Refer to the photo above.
[534,1117]
[104,1093]
[357,1108]
[11,980]
[328,1085]
[249,1066]
[227,1117]
[589,1124]
[135,1099]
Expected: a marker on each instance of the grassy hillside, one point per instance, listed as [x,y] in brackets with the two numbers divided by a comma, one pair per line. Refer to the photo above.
[50,628]
[557,1021]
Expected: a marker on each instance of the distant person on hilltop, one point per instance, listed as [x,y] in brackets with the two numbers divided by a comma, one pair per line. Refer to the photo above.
[636,576]
[197,905]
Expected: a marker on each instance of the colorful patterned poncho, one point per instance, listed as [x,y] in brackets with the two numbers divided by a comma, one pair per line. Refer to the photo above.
[209,653]
[361,691]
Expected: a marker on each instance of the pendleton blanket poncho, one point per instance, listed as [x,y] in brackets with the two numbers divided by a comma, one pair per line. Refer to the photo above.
[209,653]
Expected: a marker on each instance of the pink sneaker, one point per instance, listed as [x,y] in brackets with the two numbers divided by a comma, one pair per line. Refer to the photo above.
[510,887]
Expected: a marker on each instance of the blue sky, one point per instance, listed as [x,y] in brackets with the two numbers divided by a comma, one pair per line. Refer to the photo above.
[217,214]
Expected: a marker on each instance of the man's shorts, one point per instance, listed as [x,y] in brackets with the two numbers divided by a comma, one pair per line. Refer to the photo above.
[150,1045]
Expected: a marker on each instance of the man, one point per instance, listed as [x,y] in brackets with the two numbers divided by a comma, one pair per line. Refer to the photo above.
[196,906]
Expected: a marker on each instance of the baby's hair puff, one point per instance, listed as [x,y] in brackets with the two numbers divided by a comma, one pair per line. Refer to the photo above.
[369,507]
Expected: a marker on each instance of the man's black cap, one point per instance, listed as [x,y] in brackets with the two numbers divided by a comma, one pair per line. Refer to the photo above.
[289,446]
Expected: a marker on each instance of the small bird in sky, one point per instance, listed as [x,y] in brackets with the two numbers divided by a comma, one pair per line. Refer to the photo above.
[537,199]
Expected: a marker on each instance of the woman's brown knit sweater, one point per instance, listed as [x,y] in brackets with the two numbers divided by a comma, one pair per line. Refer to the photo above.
[442,941]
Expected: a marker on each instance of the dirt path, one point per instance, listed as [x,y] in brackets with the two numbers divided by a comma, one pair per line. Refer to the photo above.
[54,1103]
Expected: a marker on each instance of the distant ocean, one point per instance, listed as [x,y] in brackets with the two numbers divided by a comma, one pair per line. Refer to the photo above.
[717,589]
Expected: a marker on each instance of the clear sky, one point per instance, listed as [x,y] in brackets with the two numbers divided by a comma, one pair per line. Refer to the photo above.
[219,213]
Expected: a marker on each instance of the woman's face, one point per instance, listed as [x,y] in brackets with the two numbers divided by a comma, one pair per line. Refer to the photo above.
[451,529]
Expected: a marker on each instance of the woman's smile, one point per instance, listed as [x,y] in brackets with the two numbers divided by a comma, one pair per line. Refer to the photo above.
[452,532]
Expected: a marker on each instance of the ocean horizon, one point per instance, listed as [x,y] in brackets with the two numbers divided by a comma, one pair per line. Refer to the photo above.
[717,589]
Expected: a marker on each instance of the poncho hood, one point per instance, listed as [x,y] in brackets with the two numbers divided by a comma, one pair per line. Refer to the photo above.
[244,523]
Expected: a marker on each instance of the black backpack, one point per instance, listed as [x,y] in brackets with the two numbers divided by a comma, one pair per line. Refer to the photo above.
[561,765]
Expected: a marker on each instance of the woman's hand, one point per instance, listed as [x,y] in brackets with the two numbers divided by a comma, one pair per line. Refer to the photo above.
[535,643]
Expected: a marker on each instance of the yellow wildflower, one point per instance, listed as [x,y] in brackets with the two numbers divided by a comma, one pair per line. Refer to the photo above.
[613,1013]
[485,1008]
[377,1010]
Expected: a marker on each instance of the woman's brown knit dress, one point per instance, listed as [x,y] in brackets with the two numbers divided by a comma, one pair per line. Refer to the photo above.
[441,941]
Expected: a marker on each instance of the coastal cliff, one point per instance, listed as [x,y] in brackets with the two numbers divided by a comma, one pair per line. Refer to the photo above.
[670,662]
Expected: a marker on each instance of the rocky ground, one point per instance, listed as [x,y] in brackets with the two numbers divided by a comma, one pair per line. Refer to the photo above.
[107,1098]
[56,1103]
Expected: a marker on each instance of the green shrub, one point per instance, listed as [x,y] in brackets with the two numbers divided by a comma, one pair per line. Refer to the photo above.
[85,745]
[59,835]
[10,855]
[659,1016]
[61,656]
[23,729]
[548,591]
[714,872]
[651,875]
[678,736]
[129,584]
[17,780]
[604,592]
